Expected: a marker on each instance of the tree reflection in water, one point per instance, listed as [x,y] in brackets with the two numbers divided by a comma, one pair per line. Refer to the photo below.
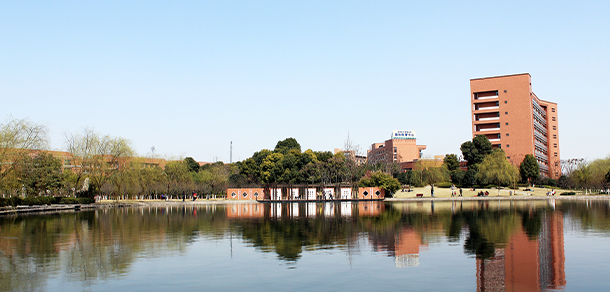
[90,246]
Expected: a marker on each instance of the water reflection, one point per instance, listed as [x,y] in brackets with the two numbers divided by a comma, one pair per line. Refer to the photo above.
[515,246]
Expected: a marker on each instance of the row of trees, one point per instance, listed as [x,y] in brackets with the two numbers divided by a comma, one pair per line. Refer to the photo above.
[97,165]
[108,166]
[287,164]
[581,174]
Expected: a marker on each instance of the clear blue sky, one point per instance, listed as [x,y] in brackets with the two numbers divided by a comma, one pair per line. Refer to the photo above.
[188,77]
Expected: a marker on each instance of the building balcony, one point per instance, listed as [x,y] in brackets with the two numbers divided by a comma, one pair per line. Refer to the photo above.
[541,157]
[540,137]
[485,108]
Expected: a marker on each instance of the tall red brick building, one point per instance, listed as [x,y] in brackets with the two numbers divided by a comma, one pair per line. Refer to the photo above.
[513,118]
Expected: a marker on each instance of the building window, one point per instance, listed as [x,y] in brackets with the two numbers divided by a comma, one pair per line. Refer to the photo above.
[365,193]
[507,123]
[554,136]
[506,113]
[553,109]
[233,195]
[506,101]
[555,154]
[507,157]
[504,91]
[553,119]
[507,145]
[506,134]
[256,194]
[555,145]
[244,194]
[555,128]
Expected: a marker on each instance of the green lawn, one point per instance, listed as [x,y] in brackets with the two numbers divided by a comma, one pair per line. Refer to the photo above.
[466,192]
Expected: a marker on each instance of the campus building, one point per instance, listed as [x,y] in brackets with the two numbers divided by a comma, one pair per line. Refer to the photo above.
[513,118]
[402,147]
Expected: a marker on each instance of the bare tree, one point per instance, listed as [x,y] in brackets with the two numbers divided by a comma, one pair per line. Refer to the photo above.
[351,167]
[570,165]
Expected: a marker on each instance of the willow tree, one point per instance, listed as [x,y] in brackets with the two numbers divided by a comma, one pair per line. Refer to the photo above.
[497,170]
[97,157]
[431,171]
[17,140]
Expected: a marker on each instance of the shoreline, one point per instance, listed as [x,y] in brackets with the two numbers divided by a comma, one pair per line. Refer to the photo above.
[501,198]
[424,199]
[26,210]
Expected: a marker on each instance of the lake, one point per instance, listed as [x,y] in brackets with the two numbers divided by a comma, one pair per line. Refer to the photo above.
[365,246]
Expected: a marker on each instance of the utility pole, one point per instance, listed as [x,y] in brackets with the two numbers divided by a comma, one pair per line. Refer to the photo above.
[231,154]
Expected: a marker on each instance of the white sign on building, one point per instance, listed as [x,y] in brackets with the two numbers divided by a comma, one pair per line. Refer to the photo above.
[404,134]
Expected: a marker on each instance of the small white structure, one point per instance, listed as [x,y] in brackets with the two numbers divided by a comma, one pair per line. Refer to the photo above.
[294,194]
[311,194]
[276,194]
[346,193]
[329,193]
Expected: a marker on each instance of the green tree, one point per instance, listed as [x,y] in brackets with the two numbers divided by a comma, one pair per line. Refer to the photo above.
[431,172]
[457,176]
[529,168]
[497,170]
[451,162]
[271,168]
[382,180]
[470,177]
[178,177]
[191,164]
[286,145]
[41,173]
[323,155]
[475,151]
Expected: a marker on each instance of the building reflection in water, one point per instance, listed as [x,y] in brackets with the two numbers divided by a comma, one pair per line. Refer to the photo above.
[523,262]
[527,264]
[299,210]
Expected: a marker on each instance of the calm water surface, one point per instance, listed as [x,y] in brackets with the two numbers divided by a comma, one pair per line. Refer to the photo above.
[457,246]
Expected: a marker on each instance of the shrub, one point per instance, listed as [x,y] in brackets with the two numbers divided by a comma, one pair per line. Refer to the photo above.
[567,194]
[443,185]
[14,201]
[68,201]
[85,201]
[31,201]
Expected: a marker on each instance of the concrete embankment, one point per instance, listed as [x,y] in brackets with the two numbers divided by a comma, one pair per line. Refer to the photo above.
[496,198]
[45,209]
